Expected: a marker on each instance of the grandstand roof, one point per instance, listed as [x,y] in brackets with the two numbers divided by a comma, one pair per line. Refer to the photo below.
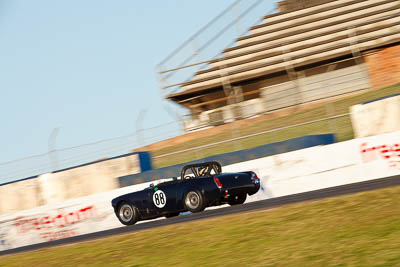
[301,37]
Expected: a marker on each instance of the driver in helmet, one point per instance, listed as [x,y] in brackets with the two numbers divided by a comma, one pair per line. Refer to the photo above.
[203,171]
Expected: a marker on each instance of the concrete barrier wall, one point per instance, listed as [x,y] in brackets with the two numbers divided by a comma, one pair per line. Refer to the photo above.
[70,183]
[316,168]
[284,174]
[60,220]
[20,196]
[376,117]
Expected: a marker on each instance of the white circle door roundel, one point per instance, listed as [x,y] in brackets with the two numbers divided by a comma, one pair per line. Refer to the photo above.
[159,199]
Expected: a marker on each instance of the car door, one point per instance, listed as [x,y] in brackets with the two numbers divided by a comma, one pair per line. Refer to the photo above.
[149,210]
[163,198]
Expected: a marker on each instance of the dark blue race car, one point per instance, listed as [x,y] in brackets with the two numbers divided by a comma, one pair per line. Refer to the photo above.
[200,186]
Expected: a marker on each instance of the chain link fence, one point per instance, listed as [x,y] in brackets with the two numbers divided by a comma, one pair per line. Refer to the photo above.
[58,159]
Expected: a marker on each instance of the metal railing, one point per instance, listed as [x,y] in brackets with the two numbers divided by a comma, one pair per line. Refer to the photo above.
[58,159]
[252,135]
[198,50]
[285,94]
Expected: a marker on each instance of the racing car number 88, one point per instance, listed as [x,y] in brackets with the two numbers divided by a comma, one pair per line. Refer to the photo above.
[159,199]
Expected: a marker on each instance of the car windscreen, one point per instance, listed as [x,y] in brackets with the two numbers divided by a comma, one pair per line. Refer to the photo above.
[201,170]
[190,173]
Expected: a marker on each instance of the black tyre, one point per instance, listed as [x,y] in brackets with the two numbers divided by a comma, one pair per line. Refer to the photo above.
[194,201]
[238,199]
[127,213]
[174,214]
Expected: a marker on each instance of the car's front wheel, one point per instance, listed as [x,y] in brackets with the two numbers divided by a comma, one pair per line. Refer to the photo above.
[127,213]
[194,201]
[237,199]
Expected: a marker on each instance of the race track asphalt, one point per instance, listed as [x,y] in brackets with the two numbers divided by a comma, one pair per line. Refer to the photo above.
[257,205]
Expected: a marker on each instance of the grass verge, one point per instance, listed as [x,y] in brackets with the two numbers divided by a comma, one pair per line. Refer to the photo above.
[340,126]
[355,230]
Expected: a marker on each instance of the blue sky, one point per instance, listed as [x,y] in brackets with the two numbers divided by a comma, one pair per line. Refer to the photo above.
[86,67]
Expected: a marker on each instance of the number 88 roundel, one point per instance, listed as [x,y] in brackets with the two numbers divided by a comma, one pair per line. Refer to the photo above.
[159,199]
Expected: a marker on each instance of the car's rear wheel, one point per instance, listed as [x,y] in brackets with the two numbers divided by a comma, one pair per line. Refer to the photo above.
[237,199]
[194,201]
[127,213]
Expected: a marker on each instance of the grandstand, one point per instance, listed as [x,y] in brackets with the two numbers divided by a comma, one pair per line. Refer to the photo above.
[308,51]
